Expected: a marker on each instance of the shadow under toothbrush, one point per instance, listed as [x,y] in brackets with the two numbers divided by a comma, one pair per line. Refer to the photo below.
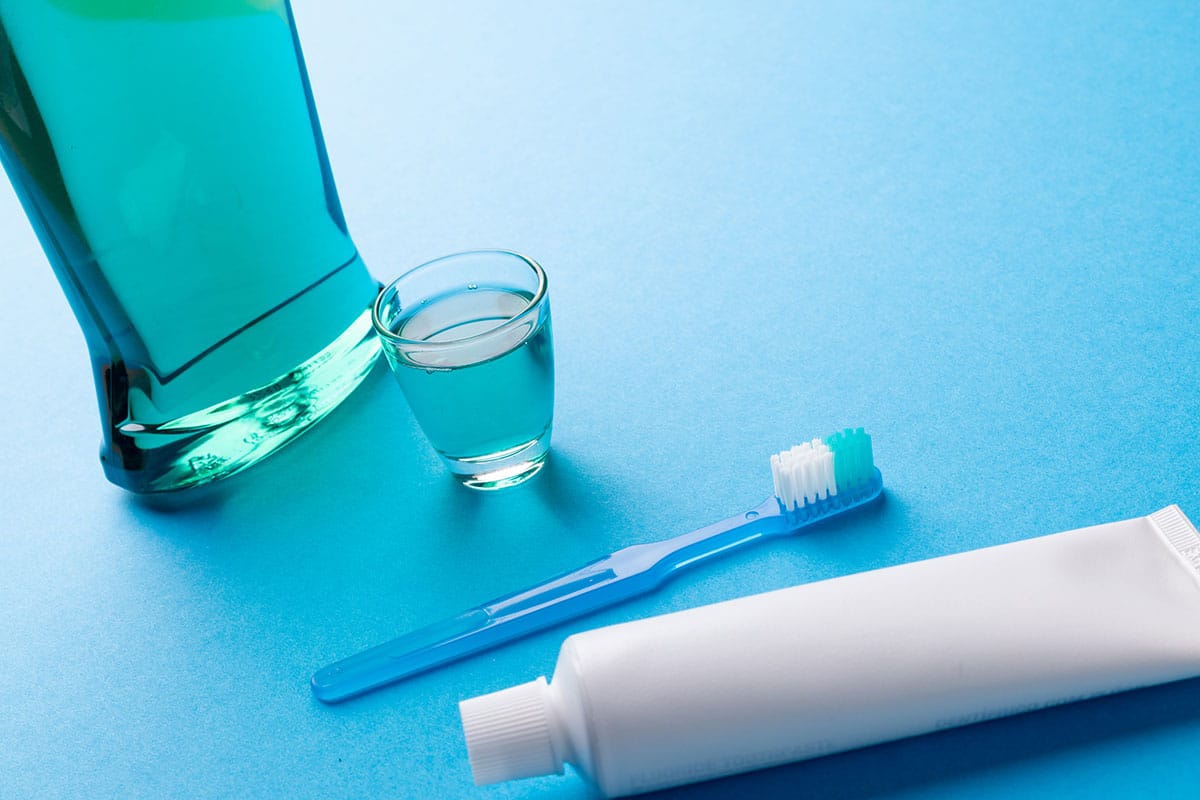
[924,762]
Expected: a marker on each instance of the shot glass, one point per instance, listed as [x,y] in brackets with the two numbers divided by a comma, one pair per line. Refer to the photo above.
[468,339]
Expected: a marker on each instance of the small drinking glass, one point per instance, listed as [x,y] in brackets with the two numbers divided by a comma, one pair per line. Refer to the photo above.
[468,339]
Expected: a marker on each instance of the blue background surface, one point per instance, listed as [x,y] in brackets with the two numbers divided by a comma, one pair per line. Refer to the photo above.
[971,228]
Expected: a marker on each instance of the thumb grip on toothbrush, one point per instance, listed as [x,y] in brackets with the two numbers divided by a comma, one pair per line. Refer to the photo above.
[397,659]
[588,588]
[626,573]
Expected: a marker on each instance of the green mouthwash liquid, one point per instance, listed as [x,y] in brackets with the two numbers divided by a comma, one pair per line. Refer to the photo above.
[169,157]
[478,403]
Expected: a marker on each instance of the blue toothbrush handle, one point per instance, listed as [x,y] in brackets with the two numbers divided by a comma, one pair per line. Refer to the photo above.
[621,575]
[588,588]
[624,574]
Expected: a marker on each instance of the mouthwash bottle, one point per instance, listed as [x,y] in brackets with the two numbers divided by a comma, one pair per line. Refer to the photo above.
[170,159]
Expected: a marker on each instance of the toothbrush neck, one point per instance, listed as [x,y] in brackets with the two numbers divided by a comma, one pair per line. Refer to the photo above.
[711,540]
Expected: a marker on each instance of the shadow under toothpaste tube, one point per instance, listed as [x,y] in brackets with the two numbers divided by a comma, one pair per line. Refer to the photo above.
[854,661]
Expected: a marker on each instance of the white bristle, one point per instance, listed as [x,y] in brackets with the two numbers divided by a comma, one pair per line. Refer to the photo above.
[803,474]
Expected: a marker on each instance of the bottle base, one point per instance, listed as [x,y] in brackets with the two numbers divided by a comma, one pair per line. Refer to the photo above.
[227,437]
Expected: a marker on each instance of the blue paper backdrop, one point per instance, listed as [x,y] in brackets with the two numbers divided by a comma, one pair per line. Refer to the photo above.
[971,228]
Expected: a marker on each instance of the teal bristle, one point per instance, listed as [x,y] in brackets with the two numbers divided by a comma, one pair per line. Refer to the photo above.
[853,461]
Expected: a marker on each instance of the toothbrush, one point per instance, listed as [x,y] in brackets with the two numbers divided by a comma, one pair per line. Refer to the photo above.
[813,481]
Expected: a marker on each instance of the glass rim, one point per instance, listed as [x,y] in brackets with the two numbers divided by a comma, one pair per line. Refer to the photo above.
[512,322]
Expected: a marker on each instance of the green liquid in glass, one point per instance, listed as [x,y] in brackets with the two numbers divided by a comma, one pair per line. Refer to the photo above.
[487,399]
[169,157]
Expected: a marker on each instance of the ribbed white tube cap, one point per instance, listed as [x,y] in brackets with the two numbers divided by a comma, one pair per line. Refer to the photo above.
[508,734]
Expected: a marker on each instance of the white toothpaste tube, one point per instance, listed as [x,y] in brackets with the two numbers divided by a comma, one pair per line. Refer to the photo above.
[854,661]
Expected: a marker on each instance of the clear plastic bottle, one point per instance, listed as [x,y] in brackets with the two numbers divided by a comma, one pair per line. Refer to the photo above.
[171,162]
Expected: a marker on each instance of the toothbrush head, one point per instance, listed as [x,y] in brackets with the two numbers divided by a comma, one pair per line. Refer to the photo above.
[809,476]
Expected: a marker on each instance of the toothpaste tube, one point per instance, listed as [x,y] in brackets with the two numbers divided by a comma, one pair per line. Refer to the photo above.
[854,661]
